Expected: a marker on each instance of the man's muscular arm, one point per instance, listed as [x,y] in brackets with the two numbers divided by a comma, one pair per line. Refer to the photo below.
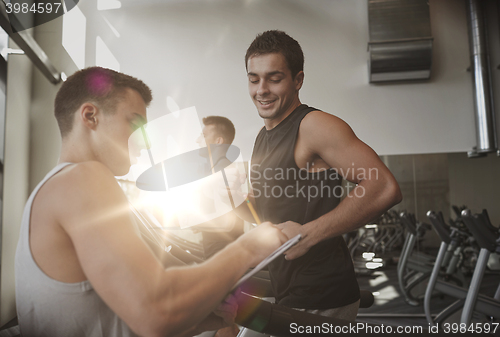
[330,139]
[93,211]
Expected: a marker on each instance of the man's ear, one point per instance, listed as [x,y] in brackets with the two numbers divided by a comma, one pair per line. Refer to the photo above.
[219,140]
[88,115]
[299,79]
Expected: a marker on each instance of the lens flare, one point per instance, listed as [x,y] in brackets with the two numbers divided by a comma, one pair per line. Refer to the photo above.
[99,83]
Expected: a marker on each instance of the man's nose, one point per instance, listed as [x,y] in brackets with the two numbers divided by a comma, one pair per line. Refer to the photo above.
[139,140]
[201,140]
[263,88]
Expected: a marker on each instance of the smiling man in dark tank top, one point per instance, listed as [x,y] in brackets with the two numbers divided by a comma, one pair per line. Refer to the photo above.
[300,157]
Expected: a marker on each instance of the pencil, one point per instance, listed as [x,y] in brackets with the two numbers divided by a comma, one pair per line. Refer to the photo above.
[211,160]
[252,210]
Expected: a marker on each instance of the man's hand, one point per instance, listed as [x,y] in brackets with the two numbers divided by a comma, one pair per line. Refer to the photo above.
[261,241]
[228,309]
[223,316]
[292,229]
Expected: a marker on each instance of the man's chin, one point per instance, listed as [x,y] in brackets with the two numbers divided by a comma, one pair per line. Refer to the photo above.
[122,170]
[267,114]
[133,160]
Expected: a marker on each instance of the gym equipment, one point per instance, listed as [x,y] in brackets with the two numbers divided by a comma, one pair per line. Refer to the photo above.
[272,319]
[384,235]
[413,267]
[488,238]
[168,244]
[468,298]
[373,245]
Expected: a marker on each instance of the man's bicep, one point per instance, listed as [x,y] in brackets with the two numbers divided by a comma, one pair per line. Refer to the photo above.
[356,161]
[335,142]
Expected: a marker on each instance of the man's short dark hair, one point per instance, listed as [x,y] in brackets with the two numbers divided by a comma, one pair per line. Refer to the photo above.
[223,127]
[276,41]
[101,86]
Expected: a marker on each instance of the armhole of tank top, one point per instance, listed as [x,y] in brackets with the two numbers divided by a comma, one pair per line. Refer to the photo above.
[36,191]
[297,137]
[251,156]
[67,286]
[39,187]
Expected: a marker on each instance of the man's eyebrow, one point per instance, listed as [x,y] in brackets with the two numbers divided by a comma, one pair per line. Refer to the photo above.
[272,73]
[277,72]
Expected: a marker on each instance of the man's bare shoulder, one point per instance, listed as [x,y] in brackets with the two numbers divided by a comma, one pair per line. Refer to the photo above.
[87,185]
[87,168]
[319,125]
[80,177]
[318,118]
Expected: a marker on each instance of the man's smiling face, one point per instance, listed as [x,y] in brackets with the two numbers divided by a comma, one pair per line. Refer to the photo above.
[271,86]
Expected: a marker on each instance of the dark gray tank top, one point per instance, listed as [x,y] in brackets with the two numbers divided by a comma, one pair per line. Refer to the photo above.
[49,308]
[324,277]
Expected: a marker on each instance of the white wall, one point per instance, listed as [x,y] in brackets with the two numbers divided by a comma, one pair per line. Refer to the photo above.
[16,172]
[194,50]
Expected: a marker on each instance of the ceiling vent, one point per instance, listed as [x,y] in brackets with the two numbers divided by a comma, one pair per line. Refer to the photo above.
[400,46]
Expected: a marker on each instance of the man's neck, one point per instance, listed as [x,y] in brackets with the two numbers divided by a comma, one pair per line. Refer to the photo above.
[218,152]
[74,152]
[272,123]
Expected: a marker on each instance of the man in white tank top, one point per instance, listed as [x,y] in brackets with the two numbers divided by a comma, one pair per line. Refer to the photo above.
[81,267]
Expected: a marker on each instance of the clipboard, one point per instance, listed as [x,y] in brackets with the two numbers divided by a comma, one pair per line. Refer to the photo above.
[271,257]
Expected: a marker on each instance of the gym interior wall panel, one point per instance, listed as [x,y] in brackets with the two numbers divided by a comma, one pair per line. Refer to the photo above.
[424,183]
[438,181]
[16,173]
[475,183]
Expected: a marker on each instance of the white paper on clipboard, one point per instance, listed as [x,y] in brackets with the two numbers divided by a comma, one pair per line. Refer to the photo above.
[283,248]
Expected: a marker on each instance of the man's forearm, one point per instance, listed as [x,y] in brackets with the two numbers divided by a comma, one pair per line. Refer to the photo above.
[191,297]
[189,293]
[363,204]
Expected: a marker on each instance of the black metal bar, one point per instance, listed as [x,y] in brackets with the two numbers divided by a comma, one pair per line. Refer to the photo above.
[30,48]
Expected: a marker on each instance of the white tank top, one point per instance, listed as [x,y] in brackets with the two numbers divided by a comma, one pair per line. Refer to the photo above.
[50,308]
